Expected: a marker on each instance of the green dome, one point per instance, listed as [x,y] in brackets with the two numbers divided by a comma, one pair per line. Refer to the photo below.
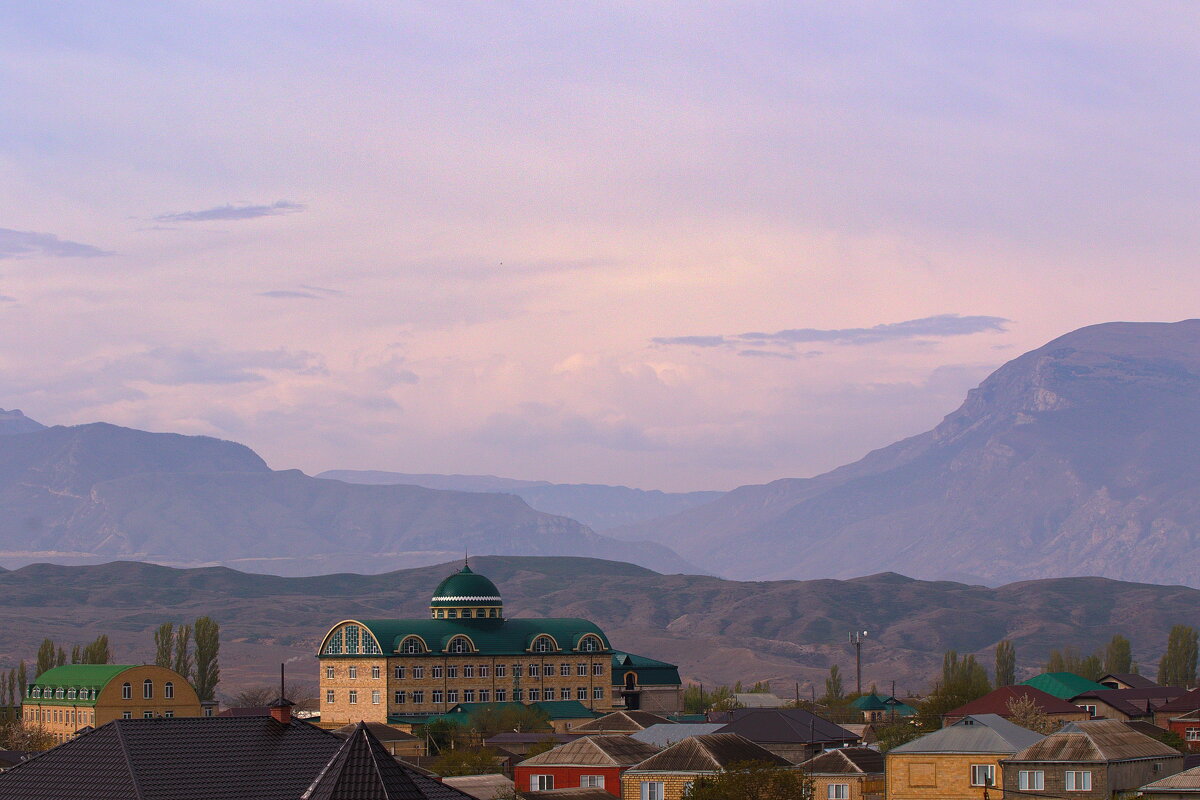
[466,588]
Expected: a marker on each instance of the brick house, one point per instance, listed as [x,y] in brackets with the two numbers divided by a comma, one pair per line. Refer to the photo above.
[1127,704]
[591,761]
[996,702]
[1177,708]
[1187,725]
[849,773]
[668,774]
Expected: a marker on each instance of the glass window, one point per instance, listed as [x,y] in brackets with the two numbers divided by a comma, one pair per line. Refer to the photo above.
[418,696]
[375,671]
[1192,734]
[413,645]
[540,783]
[542,644]
[452,696]
[437,671]
[169,690]
[351,638]
[501,695]
[398,672]
[1079,781]
[454,613]
[353,697]
[58,693]
[518,695]
[534,670]
[169,713]
[459,645]
[399,698]
[548,694]
[451,671]
[418,673]
[581,693]
[147,715]
[485,696]
[469,671]
[353,671]
[838,791]
[35,692]
[593,781]
[329,672]
[126,715]
[598,693]
[126,691]
[468,695]
[335,643]
[483,670]
[329,696]
[375,697]
[516,669]
[369,646]
[534,695]
[590,645]
[1031,779]
[147,689]
[597,669]
[581,669]
[70,694]
[437,695]
[652,790]
[983,774]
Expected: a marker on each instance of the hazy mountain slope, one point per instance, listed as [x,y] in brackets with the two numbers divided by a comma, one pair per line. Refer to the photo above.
[597,506]
[15,422]
[1080,457]
[717,630]
[100,491]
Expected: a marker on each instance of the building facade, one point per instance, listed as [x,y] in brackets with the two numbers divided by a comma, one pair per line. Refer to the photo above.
[465,652]
[64,699]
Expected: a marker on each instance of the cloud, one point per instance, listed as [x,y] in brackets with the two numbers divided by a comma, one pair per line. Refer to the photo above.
[6,299]
[939,326]
[27,243]
[766,354]
[289,294]
[178,366]
[232,212]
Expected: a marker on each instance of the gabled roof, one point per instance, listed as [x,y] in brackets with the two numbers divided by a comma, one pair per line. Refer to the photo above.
[650,672]
[996,702]
[595,751]
[622,721]
[1185,702]
[181,758]
[362,770]
[846,761]
[1063,685]
[663,735]
[1186,781]
[384,733]
[711,752]
[1133,702]
[878,702]
[1130,679]
[790,725]
[977,733]
[1096,740]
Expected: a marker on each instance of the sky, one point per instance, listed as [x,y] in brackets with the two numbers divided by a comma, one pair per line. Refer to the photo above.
[666,245]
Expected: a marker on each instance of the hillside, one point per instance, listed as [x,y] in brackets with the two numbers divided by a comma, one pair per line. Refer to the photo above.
[1079,458]
[599,507]
[97,492]
[717,630]
[15,422]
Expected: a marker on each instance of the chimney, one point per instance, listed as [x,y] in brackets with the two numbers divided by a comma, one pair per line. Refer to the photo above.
[281,709]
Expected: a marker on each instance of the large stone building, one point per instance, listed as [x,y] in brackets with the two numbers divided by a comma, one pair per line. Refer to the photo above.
[465,652]
[64,699]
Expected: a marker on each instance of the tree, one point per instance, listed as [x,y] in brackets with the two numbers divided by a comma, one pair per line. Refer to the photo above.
[60,657]
[45,657]
[1178,664]
[259,696]
[182,662]
[208,645]
[76,654]
[894,734]
[466,761]
[492,719]
[18,735]
[98,651]
[22,679]
[164,645]
[1118,656]
[963,680]
[1025,711]
[752,781]
[834,692]
[441,734]
[696,700]
[1006,664]
[1056,662]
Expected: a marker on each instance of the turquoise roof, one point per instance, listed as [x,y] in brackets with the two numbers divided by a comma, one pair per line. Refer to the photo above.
[73,676]
[465,588]
[461,713]
[875,702]
[650,672]
[489,636]
[1064,685]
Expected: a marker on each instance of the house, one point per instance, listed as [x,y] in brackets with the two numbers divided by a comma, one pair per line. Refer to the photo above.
[756,700]
[667,774]
[398,743]
[1127,704]
[622,722]
[1063,685]
[878,708]
[64,699]
[1098,759]
[591,761]
[640,683]
[790,733]
[1180,786]
[482,787]
[956,762]
[1187,725]
[850,773]
[997,702]
[665,735]
[1176,708]
[519,743]
[1126,680]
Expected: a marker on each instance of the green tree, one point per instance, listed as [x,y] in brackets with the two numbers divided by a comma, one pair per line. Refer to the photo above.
[466,761]
[752,781]
[440,735]
[22,679]
[894,734]
[1178,664]
[1091,667]
[182,656]
[963,680]
[1056,662]
[1118,656]
[164,645]
[76,654]
[496,718]
[97,651]
[697,700]
[1006,664]
[45,657]
[834,692]
[208,646]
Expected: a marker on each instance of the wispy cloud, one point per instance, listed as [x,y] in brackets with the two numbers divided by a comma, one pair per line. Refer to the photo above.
[178,366]
[6,299]
[233,212]
[935,327]
[14,244]
[290,294]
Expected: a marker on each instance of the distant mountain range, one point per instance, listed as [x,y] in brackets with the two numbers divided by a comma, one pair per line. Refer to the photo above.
[599,507]
[718,631]
[1079,458]
[16,422]
[97,492]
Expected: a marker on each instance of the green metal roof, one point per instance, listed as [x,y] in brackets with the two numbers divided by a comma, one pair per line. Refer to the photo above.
[465,588]
[650,672]
[461,713]
[875,702]
[489,636]
[73,676]
[1063,685]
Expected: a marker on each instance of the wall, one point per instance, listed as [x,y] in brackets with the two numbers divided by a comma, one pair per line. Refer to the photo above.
[674,784]
[568,777]
[1181,727]
[862,787]
[939,776]
[1121,776]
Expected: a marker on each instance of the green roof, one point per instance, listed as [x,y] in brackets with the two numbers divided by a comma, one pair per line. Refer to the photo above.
[650,672]
[74,676]
[1063,685]
[461,713]
[489,636]
[875,702]
[465,587]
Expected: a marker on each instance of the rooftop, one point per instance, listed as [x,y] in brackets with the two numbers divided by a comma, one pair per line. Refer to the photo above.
[622,722]
[790,725]
[1187,781]
[668,734]
[1130,679]
[846,761]
[605,751]
[1185,702]
[977,733]
[1063,685]
[1096,740]
[711,752]
[996,702]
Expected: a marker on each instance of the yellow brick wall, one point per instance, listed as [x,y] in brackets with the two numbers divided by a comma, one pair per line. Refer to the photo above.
[937,776]
[861,786]
[674,785]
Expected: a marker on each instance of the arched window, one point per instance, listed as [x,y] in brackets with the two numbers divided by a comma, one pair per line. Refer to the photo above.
[169,690]
[543,644]
[70,694]
[335,644]
[369,646]
[351,638]
[58,693]
[126,691]
[412,645]
[35,692]
[147,689]
[590,644]
[460,645]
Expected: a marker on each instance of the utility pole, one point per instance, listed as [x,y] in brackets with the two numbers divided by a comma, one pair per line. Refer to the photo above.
[856,638]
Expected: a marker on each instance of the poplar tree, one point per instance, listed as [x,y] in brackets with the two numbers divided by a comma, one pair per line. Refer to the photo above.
[1006,664]
[1118,656]
[833,685]
[208,645]
[98,651]
[164,645]
[182,662]
[45,657]
[1178,665]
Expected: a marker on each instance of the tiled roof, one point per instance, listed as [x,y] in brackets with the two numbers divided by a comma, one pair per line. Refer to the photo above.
[663,735]
[607,751]
[846,761]
[362,770]
[1096,741]
[996,702]
[490,636]
[577,793]
[1185,702]
[622,721]
[708,753]
[789,725]
[977,733]
[1063,685]
[181,758]
[482,787]
[1131,679]
[1133,702]
[384,733]
[1186,781]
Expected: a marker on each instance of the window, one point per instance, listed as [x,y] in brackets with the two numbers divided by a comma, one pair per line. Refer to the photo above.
[437,671]
[353,671]
[353,697]
[418,696]
[126,715]
[581,669]
[147,715]
[483,671]
[592,781]
[534,671]
[452,672]
[147,689]
[437,695]
[534,695]
[548,694]
[1089,708]
[518,695]
[35,692]
[398,698]
[70,694]
[564,670]
[369,645]
[351,638]
[1079,781]
[168,714]
[597,669]
[329,697]
[516,671]
[1031,780]
[983,774]
[543,644]
[598,693]
[652,790]
[501,695]
[169,690]
[469,671]
[452,696]
[412,645]
[329,672]
[838,791]
[581,693]
[398,672]
[375,671]
[589,644]
[375,697]
[418,673]
[58,693]
[540,783]
[453,613]
[335,643]
[485,696]
[126,691]
[460,645]
[468,695]
[208,711]
[1191,734]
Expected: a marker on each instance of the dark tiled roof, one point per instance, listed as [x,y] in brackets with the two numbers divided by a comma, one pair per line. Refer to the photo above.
[1185,702]
[181,758]
[623,721]
[246,711]
[790,725]
[568,794]
[996,702]
[846,761]
[384,733]
[363,770]
[1130,679]
[709,753]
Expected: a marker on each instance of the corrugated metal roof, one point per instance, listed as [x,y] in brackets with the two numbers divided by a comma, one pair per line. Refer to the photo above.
[663,735]
[709,753]
[622,722]
[1186,781]
[607,751]
[1130,679]
[786,726]
[489,636]
[996,702]
[978,733]
[1096,740]
[1063,685]
[482,787]
[846,761]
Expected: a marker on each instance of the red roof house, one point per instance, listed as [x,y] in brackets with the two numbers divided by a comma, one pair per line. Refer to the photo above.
[997,702]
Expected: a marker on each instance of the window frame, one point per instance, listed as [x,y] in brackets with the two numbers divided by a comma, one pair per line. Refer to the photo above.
[989,773]
[541,782]
[651,790]
[591,781]
[1070,781]
[126,691]
[169,690]
[837,791]
[1031,780]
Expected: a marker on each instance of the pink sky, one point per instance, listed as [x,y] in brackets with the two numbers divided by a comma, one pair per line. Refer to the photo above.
[470,237]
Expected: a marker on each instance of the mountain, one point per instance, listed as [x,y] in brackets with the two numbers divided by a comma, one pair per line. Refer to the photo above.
[718,631]
[97,492]
[1079,458]
[16,422]
[599,507]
